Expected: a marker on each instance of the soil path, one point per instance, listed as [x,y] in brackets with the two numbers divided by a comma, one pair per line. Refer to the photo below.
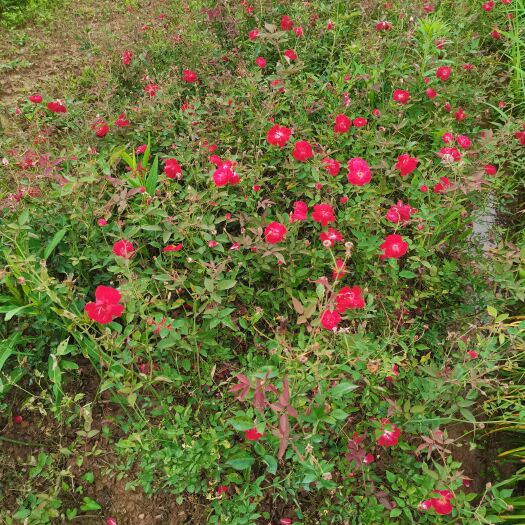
[79,35]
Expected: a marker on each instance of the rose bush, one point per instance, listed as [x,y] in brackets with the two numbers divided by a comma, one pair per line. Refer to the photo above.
[299,338]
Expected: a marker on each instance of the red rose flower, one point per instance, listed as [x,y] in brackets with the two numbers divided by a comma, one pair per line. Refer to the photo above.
[300,211]
[252,434]
[441,186]
[406,164]
[253,34]
[393,247]
[359,173]
[389,434]
[290,54]
[323,214]
[520,135]
[278,135]
[275,232]
[101,129]
[460,115]
[342,124]
[441,504]
[286,23]
[127,57]
[224,175]
[172,169]
[463,141]
[360,122]
[487,6]
[383,26]
[302,151]
[443,73]
[57,106]
[431,93]
[330,237]
[331,166]
[400,213]
[36,98]
[330,319]
[151,89]
[490,169]
[121,122]
[447,138]
[261,62]
[172,248]
[449,154]
[401,96]
[349,299]
[124,249]
[106,306]
[189,76]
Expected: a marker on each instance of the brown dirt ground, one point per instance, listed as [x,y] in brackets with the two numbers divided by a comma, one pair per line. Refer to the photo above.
[81,34]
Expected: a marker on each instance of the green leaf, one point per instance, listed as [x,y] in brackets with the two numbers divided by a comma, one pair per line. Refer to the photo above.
[68,365]
[394,513]
[468,415]
[147,153]
[241,462]
[153,177]
[132,398]
[407,275]
[15,311]
[226,284]
[341,389]
[71,514]
[23,217]
[126,158]
[390,476]
[62,347]
[492,311]
[89,504]
[271,462]
[89,477]
[7,348]
[339,414]
[54,242]
[241,423]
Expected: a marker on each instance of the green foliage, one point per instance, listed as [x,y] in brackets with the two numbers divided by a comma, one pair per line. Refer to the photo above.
[218,372]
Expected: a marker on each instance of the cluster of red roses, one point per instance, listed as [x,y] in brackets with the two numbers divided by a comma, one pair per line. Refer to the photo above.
[56,106]
[107,299]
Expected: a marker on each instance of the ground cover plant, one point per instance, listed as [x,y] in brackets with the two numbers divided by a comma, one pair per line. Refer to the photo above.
[262,263]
